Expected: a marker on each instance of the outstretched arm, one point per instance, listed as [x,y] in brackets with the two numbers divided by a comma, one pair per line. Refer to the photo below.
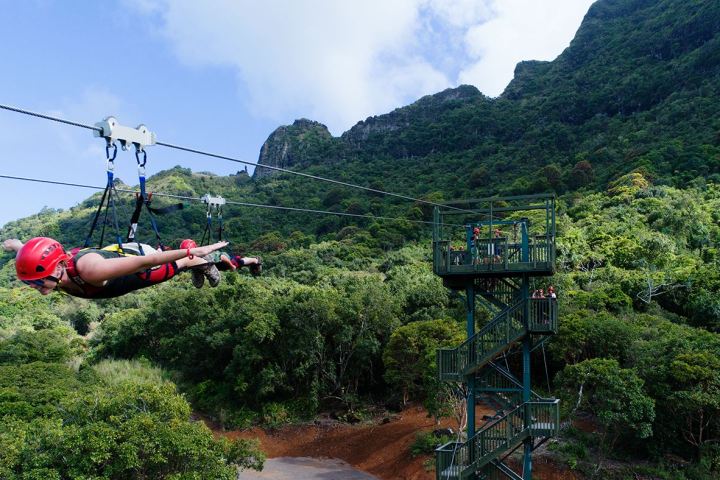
[96,269]
[12,245]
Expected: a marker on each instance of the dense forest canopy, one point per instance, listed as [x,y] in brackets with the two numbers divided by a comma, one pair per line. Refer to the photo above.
[623,126]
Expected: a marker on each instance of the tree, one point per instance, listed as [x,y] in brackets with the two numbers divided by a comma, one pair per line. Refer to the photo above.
[696,398]
[51,346]
[553,177]
[582,174]
[614,395]
[409,356]
[126,431]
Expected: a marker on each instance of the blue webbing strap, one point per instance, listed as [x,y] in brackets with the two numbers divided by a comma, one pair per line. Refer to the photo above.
[220,224]
[143,199]
[107,194]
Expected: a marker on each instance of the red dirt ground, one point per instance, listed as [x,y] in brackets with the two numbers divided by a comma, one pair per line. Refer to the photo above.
[380,449]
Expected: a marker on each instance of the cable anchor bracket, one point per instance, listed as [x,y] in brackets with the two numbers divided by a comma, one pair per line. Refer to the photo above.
[213,201]
[112,131]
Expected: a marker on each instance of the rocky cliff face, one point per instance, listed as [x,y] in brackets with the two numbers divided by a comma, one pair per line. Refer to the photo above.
[401,118]
[308,142]
[292,145]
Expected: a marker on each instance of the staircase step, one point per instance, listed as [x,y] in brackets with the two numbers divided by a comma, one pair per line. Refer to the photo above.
[462,460]
[507,328]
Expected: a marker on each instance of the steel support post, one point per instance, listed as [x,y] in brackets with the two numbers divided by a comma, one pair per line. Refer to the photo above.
[470,379]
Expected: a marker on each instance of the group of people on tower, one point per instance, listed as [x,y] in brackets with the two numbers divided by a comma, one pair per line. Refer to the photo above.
[43,264]
[494,251]
[541,293]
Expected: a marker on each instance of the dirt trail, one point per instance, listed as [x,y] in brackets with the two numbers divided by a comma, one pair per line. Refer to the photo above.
[382,449]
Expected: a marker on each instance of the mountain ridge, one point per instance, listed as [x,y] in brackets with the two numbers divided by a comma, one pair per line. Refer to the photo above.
[560,126]
[616,83]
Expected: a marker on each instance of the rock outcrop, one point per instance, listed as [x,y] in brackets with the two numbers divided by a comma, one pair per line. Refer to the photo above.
[292,145]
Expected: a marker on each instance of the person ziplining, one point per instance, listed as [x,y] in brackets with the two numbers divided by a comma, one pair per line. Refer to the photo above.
[121,268]
[110,272]
[43,264]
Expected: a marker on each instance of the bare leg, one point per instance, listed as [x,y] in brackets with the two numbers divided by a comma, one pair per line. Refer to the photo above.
[226,260]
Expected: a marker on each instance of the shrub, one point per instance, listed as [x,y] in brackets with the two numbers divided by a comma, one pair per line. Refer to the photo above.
[425,443]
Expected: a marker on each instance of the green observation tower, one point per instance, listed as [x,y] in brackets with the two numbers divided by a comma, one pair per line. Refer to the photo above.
[496,250]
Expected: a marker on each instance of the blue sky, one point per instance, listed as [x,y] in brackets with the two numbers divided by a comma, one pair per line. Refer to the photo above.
[221,75]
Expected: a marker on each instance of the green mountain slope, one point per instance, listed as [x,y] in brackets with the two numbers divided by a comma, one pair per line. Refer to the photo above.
[636,88]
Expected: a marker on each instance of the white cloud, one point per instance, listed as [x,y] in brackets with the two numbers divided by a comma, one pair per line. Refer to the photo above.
[461,13]
[339,62]
[519,30]
[334,62]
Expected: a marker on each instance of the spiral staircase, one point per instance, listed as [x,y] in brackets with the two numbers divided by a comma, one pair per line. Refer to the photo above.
[494,250]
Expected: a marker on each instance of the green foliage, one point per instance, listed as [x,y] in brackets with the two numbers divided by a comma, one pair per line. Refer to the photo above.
[424,295]
[250,342]
[628,186]
[574,448]
[613,394]
[23,308]
[425,443]
[49,346]
[34,389]
[585,335]
[409,357]
[275,415]
[126,430]
[114,372]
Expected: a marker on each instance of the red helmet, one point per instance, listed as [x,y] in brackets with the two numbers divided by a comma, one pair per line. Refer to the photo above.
[38,258]
[187,243]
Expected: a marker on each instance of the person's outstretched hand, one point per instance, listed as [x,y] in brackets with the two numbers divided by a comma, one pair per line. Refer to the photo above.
[202,251]
[12,245]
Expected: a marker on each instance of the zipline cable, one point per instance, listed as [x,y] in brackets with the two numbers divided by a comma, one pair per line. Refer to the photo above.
[48,117]
[231,159]
[229,202]
[307,175]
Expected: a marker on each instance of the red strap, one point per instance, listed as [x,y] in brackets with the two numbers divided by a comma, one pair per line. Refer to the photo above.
[72,272]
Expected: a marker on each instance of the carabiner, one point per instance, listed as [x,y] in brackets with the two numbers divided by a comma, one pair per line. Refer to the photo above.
[137,157]
[107,151]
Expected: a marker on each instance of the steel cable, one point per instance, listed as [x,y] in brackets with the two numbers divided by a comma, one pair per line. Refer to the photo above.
[231,159]
[229,202]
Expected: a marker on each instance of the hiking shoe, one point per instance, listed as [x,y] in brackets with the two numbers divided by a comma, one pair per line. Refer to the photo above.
[198,279]
[211,272]
[256,268]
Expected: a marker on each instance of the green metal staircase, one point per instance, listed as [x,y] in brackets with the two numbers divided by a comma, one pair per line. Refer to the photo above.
[497,270]
[502,333]
[497,293]
[497,386]
[529,420]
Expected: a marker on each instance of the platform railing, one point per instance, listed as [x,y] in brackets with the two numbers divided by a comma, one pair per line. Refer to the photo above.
[501,333]
[451,460]
[543,316]
[502,435]
[495,256]
[545,417]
